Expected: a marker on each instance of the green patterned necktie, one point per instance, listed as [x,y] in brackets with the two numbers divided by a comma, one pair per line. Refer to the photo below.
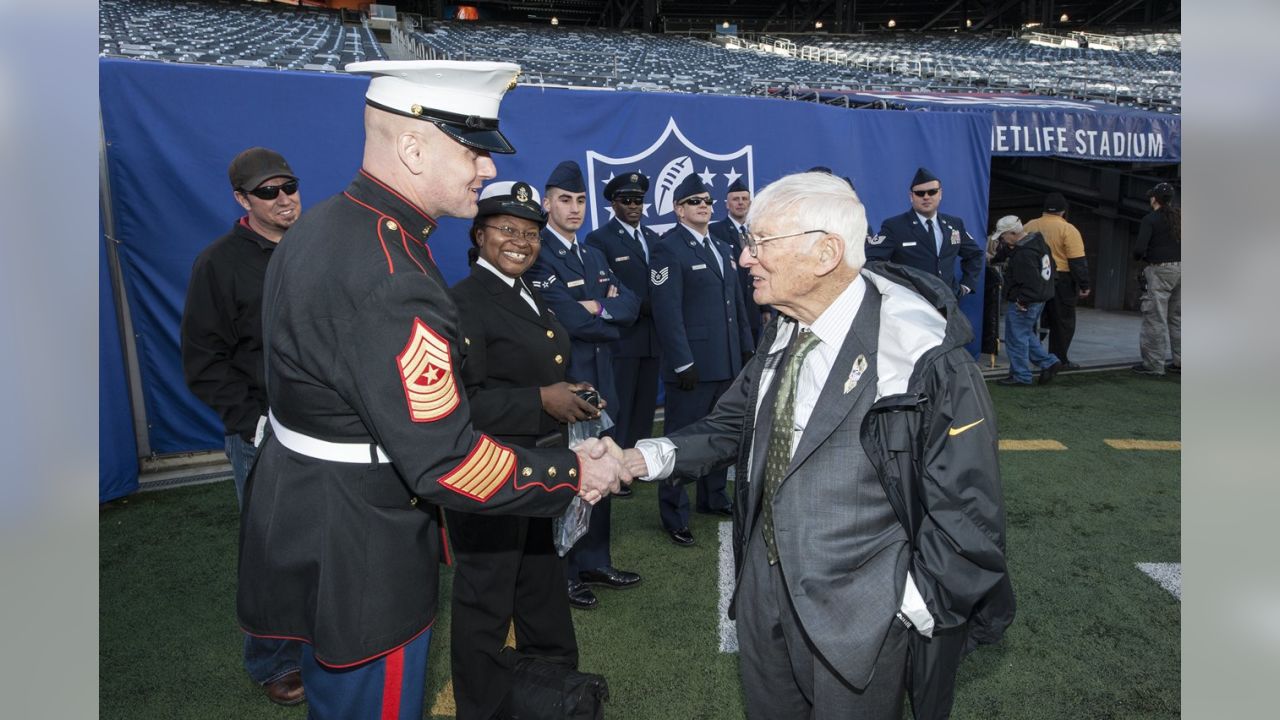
[778,456]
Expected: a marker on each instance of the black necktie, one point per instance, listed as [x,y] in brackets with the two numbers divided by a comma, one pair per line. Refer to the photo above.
[574,247]
[928,227]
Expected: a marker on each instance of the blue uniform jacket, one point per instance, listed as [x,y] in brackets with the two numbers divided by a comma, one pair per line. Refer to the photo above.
[627,261]
[699,310]
[727,231]
[903,240]
[564,281]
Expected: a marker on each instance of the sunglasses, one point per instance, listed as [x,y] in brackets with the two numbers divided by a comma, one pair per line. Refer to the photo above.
[923,193]
[695,201]
[511,233]
[634,200]
[271,192]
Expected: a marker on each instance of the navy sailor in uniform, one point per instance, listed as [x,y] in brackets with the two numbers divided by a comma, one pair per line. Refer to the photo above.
[627,246]
[594,307]
[928,240]
[507,570]
[369,431]
[705,337]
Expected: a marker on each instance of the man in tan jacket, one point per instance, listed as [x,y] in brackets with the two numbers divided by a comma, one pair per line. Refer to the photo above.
[1072,280]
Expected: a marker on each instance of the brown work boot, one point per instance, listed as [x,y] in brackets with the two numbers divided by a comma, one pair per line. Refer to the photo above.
[287,690]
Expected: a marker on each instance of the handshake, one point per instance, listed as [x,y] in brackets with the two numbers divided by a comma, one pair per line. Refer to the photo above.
[606,468]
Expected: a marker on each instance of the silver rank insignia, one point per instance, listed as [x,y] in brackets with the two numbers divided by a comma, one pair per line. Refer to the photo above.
[875,239]
[657,277]
[855,374]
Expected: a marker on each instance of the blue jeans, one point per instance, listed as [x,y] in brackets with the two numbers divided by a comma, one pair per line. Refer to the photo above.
[265,660]
[1022,343]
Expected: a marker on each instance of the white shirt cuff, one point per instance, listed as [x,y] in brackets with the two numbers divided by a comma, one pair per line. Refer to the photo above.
[914,607]
[682,368]
[659,457]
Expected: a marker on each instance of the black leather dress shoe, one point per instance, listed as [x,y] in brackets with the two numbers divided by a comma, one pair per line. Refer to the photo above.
[681,537]
[286,690]
[609,576]
[581,597]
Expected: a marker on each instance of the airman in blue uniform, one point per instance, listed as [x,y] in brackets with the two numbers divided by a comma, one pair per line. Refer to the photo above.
[928,240]
[595,307]
[731,231]
[703,329]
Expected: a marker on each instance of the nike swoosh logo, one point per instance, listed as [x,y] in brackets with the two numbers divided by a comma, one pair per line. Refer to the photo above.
[957,430]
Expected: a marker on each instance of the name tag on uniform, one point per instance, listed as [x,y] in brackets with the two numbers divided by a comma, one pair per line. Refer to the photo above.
[910,244]
[624,258]
[699,266]
[575,283]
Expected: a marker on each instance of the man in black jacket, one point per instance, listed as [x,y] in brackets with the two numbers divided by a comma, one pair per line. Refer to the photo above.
[1029,283]
[222,352]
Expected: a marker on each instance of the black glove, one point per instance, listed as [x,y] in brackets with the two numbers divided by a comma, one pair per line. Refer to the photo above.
[746,357]
[687,379]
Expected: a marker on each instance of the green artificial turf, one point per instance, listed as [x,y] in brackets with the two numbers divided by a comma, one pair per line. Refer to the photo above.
[1094,637]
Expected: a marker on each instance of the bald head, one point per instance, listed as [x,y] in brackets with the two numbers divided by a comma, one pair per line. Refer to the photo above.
[430,169]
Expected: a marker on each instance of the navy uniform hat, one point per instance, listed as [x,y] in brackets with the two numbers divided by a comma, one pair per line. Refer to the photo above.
[517,199]
[632,183]
[821,169]
[737,186]
[459,98]
[923,176]
[689,187]
[1054,202]
[567,176]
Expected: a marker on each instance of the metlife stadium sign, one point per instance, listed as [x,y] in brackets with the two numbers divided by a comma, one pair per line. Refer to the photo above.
[1035,125]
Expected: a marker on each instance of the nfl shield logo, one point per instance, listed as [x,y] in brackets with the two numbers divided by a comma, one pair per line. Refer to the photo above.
[667,161]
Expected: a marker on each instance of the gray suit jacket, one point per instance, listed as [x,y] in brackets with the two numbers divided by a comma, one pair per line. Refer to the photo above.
[843,552]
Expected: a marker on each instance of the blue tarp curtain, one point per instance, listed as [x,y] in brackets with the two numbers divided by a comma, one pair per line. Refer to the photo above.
[171,131]
[117,451]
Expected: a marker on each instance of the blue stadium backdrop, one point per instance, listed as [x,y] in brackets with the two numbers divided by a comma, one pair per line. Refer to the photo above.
[172,129]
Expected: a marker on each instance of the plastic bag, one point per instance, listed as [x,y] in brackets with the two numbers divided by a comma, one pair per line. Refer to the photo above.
[572,525]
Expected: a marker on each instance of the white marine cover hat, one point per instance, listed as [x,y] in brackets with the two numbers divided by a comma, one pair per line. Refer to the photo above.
[460,98]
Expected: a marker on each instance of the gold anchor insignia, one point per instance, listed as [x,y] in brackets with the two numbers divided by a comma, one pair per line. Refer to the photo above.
[522,194]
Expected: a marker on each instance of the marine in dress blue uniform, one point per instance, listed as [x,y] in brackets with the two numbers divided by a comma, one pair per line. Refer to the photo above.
[928,240]
[595,307]
[704,334]
[627,246]
[731,230]
[369,432]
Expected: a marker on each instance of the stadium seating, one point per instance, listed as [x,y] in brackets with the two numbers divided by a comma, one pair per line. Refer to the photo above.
[1137,69]
[230,33]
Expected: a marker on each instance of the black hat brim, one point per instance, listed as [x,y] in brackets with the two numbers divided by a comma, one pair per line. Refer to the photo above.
[480,138]
[505,206]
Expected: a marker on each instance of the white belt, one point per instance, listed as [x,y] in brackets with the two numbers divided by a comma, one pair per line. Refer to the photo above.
[325,450]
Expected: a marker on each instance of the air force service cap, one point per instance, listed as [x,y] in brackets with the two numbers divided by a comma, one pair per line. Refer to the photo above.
[567,176]
[513,198]
[460,98]
[923,176]
[632,183]
[737,186]
[689,187]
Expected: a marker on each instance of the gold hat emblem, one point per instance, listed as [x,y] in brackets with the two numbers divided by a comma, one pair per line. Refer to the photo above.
[522,194]
[635,178]
[511,85]
[416,109]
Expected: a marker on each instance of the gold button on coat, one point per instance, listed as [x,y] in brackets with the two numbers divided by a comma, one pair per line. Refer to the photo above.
[527,472]
[559,359]
[551,471]
[551,335]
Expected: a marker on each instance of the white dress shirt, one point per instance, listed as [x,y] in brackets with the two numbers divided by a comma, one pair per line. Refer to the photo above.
[511,282]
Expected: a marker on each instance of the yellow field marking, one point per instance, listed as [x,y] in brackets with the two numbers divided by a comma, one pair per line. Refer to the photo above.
[443,704]
[1031,445]
[1145,444]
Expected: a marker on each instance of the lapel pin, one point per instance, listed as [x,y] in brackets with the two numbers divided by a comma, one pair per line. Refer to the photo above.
[855,374]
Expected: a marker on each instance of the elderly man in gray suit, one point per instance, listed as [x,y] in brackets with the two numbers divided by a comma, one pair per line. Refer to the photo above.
[869,514]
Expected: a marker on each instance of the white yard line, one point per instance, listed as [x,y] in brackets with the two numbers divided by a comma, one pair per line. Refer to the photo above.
[728,633]
[1168,575]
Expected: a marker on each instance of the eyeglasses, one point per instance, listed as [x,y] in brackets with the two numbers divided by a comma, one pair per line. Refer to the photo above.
[271,192]
[695,201]
[754,243]
[511,233]
[633,200]
[930,192]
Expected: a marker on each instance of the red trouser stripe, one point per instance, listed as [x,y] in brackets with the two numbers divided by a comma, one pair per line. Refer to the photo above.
[392,679]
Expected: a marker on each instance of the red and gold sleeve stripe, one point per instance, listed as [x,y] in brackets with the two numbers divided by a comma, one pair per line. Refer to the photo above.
[484,471]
